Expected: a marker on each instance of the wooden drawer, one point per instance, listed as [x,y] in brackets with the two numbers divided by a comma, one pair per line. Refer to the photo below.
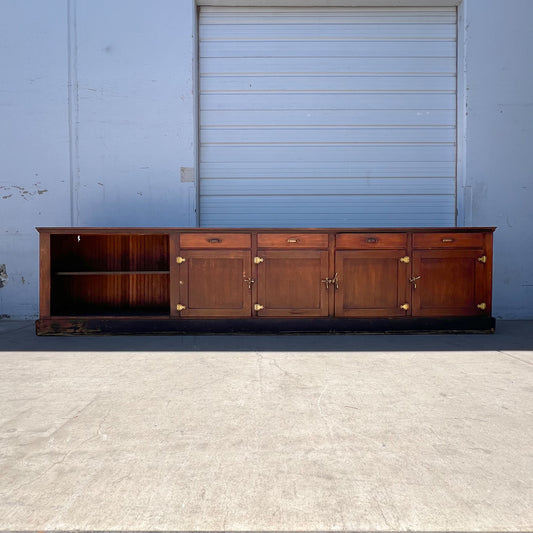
[292,240]
[367,241]
[448,240]
[215,240]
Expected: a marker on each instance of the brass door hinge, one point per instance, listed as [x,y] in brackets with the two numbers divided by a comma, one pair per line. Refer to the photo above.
[404,259]
[258,260]
[405,307]
[180,307]
[180,260]
[258,307]
[482,259]
[482,306]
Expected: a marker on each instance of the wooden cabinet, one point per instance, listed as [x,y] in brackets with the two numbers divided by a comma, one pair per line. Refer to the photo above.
[371,283]
[290,283]
[214,283]
[452,274]
[178,280]
[291,268]
[213,276]
[372,271]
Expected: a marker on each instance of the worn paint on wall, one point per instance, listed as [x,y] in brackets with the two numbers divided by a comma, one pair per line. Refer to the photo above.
[98,111]
[499,137]
[3,275]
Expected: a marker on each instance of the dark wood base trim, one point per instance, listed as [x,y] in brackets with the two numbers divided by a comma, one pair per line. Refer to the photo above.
[268,326]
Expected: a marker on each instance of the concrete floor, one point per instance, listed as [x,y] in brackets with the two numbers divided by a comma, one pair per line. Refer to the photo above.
[368,433]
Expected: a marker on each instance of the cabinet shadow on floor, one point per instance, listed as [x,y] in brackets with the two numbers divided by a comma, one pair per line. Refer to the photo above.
[509,335]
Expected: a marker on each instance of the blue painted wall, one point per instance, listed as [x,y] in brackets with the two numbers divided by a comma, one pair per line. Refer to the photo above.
[97,127]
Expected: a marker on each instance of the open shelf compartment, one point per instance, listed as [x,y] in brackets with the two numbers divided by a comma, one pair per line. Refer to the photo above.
[113,274]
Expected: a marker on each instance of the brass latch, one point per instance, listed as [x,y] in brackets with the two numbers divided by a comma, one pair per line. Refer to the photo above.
[250,282]
[413,280]
[258,307]
[180,260]
[405,307]
[482,259]
[482,306]
[180,307]
[332,281]
[258,260]
[404,259]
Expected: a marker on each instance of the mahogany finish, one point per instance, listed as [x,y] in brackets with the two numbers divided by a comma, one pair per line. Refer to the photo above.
[289,283]
[451,283]
[369,241]
[215,240]
[212,283]
[372,283]
[448,240]
[292,240]
[401,278]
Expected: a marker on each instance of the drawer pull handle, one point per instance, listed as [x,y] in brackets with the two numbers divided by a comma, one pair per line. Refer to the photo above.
[214,241]
[448,240]
[292,240]
[371,240]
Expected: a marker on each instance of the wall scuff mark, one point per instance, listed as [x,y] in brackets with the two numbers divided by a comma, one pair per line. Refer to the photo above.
[23,192]
[3,275]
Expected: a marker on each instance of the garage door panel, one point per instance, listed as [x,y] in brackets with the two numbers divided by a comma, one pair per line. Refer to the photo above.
[350,211]
[332,117]
[317,49]
[327,116]
[327,135]
[328,31]
[264,82]
[311,65]
[328,169]
[315,186]
[352,101]
[273,15]
[351,152]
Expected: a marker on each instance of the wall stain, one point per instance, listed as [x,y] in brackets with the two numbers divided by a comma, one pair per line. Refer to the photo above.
[22,192]
[3,275]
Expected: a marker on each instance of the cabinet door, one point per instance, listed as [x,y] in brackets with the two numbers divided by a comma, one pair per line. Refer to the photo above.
[372,283]
[214,283]
[451,283]
[289,283]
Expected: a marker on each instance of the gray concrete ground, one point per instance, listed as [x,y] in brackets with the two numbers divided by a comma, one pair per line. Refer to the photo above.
[371,433]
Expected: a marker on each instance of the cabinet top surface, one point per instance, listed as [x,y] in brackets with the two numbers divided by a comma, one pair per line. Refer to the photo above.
[161,230]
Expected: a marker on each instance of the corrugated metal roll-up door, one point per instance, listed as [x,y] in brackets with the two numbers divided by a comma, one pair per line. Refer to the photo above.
[327,117]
